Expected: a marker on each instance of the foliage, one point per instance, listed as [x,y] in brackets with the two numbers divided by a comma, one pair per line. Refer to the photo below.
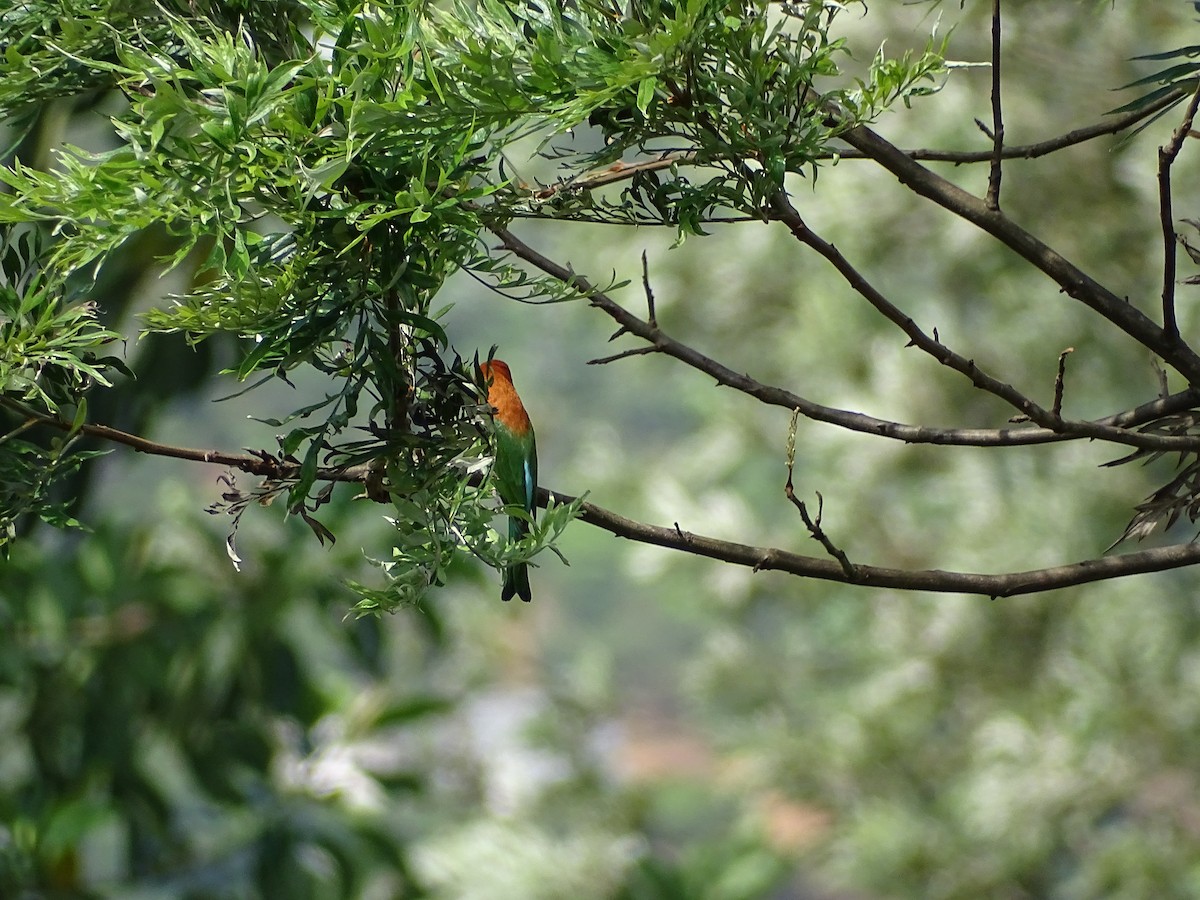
[309,176]
[48,360]
[1175,75]
[328,165]
[165,728]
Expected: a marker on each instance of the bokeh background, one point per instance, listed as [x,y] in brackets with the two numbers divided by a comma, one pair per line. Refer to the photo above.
[656,725]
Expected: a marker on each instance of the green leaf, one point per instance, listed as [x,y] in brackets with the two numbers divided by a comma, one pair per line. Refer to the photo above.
[645,94]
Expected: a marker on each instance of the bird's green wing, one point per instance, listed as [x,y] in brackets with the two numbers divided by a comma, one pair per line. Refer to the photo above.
[516,468]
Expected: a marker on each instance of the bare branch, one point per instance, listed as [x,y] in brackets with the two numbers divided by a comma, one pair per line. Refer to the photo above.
[255,463]
[769,558]
[624,354]
[1110,428]
[993,188]
[787,214]
[1041,148]
[818,533]
[1071,279]
[1166,158]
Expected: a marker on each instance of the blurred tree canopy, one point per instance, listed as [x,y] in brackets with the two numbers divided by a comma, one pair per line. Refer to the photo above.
[259,202]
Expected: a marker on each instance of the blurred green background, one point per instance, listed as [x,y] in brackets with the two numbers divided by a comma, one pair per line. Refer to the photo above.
[656,725]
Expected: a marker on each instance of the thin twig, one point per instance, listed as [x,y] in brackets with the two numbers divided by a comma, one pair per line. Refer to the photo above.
[993,188]
[1166,158]
[1160,374]
[1059,382]
[596,217]
[20,429]
[1114,125]
[624,354]
[813,526]
[651,317]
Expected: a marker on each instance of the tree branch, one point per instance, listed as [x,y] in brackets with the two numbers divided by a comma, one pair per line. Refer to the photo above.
[1041,148]
[1166,158]
[813,526]
[617,173]
[1113,428]
[789,216]
[1071,279]
[1051,420]
[1060,380]
[255,463]
[757,558]
[993,188]
[935,580]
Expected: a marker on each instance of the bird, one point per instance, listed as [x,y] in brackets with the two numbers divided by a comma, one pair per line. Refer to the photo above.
[515,466]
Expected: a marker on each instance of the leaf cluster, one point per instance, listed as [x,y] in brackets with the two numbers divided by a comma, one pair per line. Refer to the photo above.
[740,91]
[323,166]
[1182,73]
[49,359]
[1180,496]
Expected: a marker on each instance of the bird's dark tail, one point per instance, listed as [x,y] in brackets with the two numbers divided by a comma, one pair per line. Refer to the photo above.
[516,578]
[516,582]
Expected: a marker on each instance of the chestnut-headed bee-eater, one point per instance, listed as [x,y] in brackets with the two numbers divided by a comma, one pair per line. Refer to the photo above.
[515,466]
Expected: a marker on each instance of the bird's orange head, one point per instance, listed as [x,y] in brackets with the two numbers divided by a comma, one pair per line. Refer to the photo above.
[496,370]
[502,396]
